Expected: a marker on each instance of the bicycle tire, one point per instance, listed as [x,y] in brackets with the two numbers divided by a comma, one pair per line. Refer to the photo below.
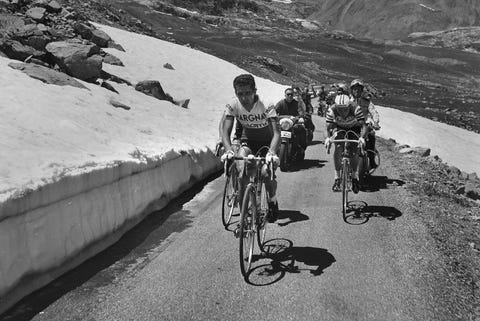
[345,171]
[230,193]
[247,230]
[262,216]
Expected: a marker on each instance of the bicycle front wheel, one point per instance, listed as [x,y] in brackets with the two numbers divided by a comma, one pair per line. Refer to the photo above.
[230,194]
[345,172]
[247,229]
[262,205]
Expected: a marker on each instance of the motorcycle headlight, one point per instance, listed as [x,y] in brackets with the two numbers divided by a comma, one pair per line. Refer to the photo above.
[286,124]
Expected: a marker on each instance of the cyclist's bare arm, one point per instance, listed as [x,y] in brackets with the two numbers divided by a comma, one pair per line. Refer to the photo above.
[276,135]
[220,125]
[227,130]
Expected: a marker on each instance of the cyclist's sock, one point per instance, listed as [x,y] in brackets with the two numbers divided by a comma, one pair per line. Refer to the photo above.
[355,174]
[273,199]
[337,174]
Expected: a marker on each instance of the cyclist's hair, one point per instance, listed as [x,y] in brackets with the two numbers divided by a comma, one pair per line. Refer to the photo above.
[244,80]
[288,89]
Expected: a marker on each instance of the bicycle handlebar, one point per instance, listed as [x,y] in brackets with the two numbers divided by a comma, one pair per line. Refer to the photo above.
[246,158]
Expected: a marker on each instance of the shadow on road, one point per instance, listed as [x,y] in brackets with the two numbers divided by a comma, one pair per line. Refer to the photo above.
[307,164]
[360,212]
[315,142]
[292,216]
[376,183]
[285,258]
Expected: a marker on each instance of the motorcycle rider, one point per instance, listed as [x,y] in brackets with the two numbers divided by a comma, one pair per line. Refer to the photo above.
[346,115]
[260,128]
[291,107]
[372,120]
[356,89]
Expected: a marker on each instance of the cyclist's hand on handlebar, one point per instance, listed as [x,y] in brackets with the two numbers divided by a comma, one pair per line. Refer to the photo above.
[272,158]
[227,155]
[361,140]
[327,142]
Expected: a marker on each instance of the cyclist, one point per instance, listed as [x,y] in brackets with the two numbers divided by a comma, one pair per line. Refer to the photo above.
[259,129]
[291,107]
[345,115]
[372,119]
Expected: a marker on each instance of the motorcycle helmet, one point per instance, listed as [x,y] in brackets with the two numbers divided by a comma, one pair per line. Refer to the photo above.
[357,82]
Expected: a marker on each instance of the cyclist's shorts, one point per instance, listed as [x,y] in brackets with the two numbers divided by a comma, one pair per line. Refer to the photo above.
[352,148]
[256,146]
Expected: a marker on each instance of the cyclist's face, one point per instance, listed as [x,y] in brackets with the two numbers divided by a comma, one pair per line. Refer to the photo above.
[246,95]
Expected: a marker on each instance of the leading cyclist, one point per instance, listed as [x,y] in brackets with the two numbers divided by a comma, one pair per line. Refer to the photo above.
[260,129]
[345,114]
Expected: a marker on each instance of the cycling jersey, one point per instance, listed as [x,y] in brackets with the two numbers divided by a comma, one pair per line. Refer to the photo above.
[256,125]
[345,117]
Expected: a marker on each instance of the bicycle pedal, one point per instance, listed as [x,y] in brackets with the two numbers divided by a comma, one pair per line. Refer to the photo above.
[236,232]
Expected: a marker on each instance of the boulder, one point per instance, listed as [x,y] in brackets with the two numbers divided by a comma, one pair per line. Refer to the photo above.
[15,50]
[152,88]
[77,59]
[36,13]
[111,59]
[46,75]
[272,64]
[422,151]
[54,6]
[100,38]
[168,66]
[115,103]
[406,150]
[472,191]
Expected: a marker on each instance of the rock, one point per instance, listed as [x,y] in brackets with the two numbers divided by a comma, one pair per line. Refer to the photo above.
[453,171]
[406,150]
[118,104]
[15,50]
[46,75]
[54,6]
[422,151]
[168,66]
[460,190]
[36,13]
[83,30]
[100,38]
[108,86]
[113,44]
[78,60]
[472,177]
[472,191]
[151,88]
[111,59]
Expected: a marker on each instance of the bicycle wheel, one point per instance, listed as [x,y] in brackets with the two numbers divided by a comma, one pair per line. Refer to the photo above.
[247,229]
[363,168]
[345,172]
[230,194]
[262,205]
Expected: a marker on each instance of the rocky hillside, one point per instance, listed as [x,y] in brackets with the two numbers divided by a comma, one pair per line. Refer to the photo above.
[385,19]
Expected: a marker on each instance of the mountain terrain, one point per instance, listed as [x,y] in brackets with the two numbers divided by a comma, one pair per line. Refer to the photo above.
[278,40]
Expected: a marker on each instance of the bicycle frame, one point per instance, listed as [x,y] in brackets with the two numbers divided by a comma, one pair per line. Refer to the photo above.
[346,169]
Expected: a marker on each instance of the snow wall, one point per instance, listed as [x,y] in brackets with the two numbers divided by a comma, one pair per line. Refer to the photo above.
[47,232]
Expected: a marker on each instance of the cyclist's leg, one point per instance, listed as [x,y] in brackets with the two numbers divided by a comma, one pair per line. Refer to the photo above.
[242,171]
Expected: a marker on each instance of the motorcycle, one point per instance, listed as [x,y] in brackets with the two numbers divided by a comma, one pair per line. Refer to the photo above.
[290,148]
[365,168]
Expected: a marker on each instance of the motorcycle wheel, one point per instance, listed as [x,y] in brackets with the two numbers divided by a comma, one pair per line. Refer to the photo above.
[283,157]
[363,169]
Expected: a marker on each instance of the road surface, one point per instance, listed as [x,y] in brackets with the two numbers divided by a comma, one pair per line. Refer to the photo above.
[181,264]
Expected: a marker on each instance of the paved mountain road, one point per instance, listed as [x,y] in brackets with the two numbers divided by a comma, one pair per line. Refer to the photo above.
[180,264]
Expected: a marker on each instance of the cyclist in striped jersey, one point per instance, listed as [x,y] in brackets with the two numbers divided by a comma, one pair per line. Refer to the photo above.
[345,114]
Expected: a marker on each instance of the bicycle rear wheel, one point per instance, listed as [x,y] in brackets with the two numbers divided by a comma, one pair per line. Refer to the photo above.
[247,229]
[262,205]
[230,194]
[345,172]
